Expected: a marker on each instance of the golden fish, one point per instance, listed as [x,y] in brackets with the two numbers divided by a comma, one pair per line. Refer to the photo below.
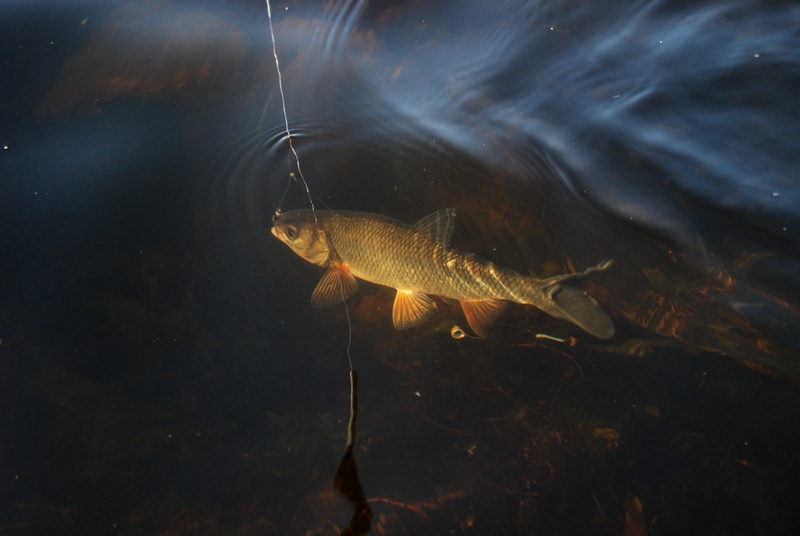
[418,261]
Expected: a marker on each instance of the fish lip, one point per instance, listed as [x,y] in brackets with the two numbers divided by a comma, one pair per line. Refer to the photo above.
[274,232]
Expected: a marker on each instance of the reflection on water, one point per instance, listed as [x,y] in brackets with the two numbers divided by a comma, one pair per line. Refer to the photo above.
[346,479]
[162,368]
[151,52]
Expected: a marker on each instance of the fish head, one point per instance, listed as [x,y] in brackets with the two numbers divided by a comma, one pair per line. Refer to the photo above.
[301,231]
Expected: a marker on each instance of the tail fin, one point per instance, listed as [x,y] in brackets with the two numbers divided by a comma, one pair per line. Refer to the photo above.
[583,311]
[576,305]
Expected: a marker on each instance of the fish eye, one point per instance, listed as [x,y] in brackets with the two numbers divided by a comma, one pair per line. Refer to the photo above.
[291,232]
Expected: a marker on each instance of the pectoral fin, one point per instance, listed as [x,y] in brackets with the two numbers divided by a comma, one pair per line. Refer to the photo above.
[481,314]
[411,309]
[336,285]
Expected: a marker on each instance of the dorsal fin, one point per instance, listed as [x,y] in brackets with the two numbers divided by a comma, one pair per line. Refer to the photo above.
[438,225]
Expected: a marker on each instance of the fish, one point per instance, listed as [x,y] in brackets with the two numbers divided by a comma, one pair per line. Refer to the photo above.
[419,262]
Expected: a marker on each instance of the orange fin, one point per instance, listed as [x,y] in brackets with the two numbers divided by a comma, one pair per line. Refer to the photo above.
[337,284]
[411,309]
[481,314]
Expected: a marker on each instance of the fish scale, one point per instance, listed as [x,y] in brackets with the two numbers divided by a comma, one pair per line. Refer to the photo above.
[404,258]
[394,254]
[418,261]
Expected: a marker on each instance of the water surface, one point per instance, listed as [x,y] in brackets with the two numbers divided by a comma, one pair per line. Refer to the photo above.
[164,372]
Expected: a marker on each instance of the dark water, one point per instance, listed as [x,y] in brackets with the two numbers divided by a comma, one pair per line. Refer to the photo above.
[163,371]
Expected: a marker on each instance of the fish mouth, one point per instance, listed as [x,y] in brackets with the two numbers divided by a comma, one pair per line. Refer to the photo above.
[274,232]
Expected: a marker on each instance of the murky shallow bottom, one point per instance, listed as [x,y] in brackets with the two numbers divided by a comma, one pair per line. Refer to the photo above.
[163,371]
[513,435]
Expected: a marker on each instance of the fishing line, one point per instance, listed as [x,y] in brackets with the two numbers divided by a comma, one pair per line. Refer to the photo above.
[346,478]
[302,178]
[349,328]
[300,173]
[286,123]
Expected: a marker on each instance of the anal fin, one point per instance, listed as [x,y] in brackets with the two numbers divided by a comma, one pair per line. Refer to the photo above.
[411,309]
[337,284]
[481,314]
